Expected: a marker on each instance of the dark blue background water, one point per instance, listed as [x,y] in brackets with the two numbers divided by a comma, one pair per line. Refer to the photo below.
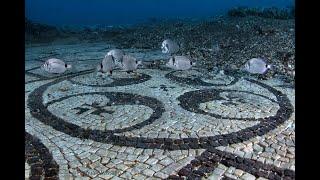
[116,12]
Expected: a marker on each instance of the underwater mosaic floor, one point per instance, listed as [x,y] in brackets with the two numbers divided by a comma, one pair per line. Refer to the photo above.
[155,125]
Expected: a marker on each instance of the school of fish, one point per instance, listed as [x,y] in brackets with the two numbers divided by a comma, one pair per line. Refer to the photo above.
[118,59]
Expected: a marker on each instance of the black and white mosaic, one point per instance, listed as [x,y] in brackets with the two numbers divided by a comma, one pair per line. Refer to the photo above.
[245,103]
[118,78]
[194,77]
[206,163]
[39,159]
[157,124]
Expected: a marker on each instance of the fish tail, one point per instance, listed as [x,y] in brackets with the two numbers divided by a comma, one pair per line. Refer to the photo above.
[44,66]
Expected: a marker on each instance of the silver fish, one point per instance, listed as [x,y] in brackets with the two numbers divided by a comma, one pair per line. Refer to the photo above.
[169,47]
[130,63]
[118,55]
[107,64]
[180,63]
[55,66]
[257,66]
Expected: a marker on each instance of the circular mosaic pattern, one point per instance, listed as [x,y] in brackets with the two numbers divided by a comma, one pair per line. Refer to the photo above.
[128,127]
[110,111]
[40,111]
[194,78]
[243,104]
[118,78]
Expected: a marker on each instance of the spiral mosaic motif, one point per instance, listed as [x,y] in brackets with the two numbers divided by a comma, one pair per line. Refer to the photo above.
[152,125]
[194,77]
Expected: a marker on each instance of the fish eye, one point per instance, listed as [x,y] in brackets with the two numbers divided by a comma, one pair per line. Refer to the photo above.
[136,62]
[190,62]
[65,65]
[101,65]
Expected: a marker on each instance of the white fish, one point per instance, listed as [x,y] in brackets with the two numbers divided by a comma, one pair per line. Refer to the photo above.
[169,47]
[180,63]
[257,66]
[130,63]
[118,55]
[107,64]
[55,66]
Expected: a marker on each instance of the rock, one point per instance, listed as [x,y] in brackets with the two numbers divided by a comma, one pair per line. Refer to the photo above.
[214,177]
[248,176]
[257,148]
[238,172]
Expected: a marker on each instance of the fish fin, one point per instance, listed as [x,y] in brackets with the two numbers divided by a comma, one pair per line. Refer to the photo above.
[167,46]
[112,59]
[43,66]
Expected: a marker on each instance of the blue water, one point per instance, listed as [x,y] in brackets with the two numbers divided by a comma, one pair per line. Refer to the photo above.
[117,12]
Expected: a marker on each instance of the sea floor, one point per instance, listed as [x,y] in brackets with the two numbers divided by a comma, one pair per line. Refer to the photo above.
[155,124]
